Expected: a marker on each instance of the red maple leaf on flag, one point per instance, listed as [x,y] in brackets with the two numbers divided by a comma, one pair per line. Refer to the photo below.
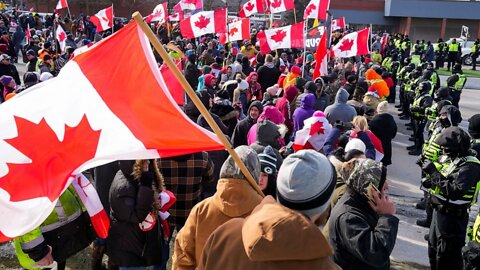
[317,128]
[313,32]
[279,36]
[249,6]
[53,161]
[346,45]
[62,36]
[309,9]
[202,22]
[276,3]
[233,31]
[105,19]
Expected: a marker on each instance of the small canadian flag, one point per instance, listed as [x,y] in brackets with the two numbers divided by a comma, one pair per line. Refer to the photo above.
[250,8]
[61,4]
[286,37]
[338,23]
[276,6]
[317,9]
[61,37]
[159,14]
[239,30]
[204,22]
[353,44]
[103,20]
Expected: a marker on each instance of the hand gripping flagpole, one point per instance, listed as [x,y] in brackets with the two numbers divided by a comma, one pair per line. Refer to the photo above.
[188,89]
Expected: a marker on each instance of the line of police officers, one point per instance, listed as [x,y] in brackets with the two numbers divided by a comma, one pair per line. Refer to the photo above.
[448,157]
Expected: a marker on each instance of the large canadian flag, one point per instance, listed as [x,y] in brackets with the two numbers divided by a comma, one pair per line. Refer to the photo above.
[239,30]
[352,44]
[61,4]
[188,4]
[338,23]
[277,6]
[317,9]
[286,37]
[251,7]
[204,22]
[103,20]
[61,37]
[99,109]
[321,64]
[159,14]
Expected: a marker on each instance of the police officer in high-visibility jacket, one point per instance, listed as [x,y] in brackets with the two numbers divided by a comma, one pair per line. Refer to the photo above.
[66,231]
[421,102]
[456,82]
[454,185]
[474,53]
[454,51]
[474,131]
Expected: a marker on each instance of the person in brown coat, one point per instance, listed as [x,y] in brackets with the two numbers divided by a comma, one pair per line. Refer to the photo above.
[283,235]
[234,198]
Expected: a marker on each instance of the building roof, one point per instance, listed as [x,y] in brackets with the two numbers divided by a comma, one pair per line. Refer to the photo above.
[468,10]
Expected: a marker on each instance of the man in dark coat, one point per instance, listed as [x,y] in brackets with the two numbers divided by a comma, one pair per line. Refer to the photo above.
[362,226]
[268,73]
[191,71]
[239,136]
[384,127]
[7,68]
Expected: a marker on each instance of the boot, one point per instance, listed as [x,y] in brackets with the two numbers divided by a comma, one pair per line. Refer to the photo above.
[398,106]
[409,124]
[415,152]
[401,114]
[97,255]
[423,223]
[412,147]
[409,127]
[411,139]
[422,204]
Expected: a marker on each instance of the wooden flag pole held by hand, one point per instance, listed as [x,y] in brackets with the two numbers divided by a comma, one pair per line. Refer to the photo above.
[166,59]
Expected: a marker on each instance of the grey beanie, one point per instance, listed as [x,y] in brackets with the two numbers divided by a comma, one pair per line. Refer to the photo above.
[230,169]
[306,181]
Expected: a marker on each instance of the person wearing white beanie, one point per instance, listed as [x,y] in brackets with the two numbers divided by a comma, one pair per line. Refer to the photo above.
[382,107]
[284,234]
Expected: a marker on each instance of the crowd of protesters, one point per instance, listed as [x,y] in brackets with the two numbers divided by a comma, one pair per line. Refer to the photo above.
[327,205]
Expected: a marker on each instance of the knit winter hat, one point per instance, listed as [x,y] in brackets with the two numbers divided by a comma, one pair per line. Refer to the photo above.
[358,174]
[382,107]
[305,182]
[474,125]
[296,70]
[30,52]
[5,80]
[249,157]
[268,161]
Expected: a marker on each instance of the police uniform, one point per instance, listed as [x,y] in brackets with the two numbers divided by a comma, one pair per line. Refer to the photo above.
[453,53]
[454,185]
[421,102]
[474,52]
[67,230]
[456,82]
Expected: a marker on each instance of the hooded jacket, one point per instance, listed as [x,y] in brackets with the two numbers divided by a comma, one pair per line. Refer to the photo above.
[269,113]
[284,105]
[239,136]
[340,110]
[303,112]
[384,127]
[268,75]
[268,134]
[273,237]
[234,198]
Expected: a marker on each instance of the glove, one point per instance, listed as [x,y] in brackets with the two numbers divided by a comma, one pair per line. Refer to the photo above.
[146,179]
[427,183]
[436,178]
[420,161]
[429,167]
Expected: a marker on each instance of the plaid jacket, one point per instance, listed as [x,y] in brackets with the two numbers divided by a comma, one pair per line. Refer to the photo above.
[184,177]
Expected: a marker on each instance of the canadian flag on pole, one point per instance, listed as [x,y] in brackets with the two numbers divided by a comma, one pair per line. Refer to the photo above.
[28,34]
[159,14]
[353,44]
[321,64]
[250,8]
[98,109]
[103,20]
[61,37]
[338,23]
[276,6]
[239,30]
[176,17]
[61,4]
[317,9]
[204,22]
[188,4]
[290,36]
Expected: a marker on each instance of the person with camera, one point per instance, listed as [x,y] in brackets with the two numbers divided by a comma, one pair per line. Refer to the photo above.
[453,185]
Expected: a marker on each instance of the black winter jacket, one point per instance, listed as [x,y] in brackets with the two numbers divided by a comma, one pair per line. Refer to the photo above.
[127,244]
[384,127]
[360,238]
